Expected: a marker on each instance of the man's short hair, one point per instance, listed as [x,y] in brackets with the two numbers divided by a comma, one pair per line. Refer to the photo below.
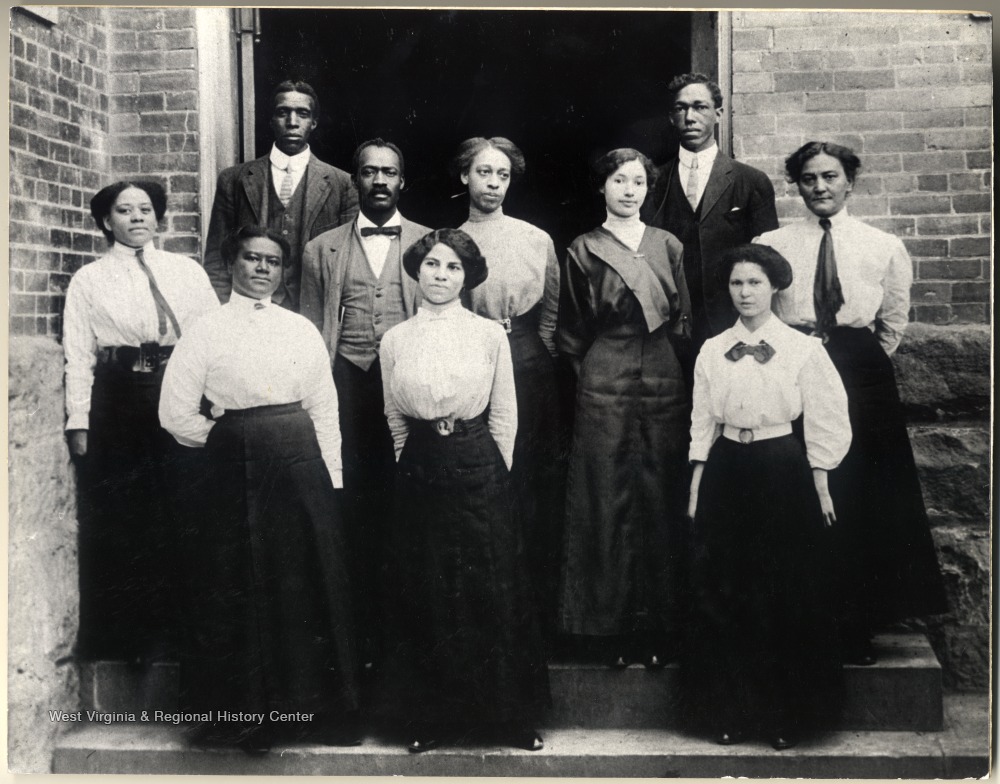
[294,86]
[678,83]
[378,141]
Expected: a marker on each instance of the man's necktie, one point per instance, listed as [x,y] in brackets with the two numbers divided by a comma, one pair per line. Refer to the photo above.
[391,231]
[762,352]
[692,184]
[285,194]
[163,311]
[828,297]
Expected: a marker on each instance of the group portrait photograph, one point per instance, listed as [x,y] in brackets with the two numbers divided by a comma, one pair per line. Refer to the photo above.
[486,391]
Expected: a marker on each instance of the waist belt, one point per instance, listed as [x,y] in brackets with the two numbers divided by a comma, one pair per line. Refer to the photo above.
[526,321]
[747,435]
[146,358]
[445,426]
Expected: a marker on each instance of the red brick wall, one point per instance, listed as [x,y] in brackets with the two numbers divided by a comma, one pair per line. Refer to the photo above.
[58,158]
[100,95]
[911,94]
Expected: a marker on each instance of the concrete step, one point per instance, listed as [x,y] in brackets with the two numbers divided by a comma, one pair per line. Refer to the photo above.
[901,692]
[959,750]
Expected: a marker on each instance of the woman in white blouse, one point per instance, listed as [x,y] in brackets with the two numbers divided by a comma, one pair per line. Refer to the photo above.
[760,654]
[522,294]
[852,288]
[464,648]
[124,313]
[269,611]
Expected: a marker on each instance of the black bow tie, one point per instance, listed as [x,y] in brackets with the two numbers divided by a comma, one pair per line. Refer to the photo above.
[762,352]
[390,231]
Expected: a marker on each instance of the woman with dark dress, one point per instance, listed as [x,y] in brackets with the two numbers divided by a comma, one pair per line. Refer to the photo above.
[522,294]
[467,652]
[124,313]
[761,642]
[625,303]
[269,614]
[852,288]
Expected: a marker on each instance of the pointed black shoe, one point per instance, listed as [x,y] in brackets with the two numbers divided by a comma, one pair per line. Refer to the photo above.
[729,737]
[783,739]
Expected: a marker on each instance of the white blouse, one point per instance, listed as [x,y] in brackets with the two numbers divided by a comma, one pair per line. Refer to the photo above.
[450,363]
[798,379]
[109,303]
[874,268]
[523,271]
[242,356]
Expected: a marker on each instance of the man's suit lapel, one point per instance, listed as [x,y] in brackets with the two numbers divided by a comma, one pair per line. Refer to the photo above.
[719,181]
[255,185]
[411,291]
[318,188]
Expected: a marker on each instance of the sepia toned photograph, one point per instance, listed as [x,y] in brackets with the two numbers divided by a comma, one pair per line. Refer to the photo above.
[454,392]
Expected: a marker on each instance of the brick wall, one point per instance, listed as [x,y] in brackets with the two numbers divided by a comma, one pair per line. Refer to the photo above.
[153,85]
[911,93]
[58,158]
[100,95]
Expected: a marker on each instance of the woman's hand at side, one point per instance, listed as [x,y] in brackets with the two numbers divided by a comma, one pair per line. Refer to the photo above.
[699,469]
[825,501]
[77,442]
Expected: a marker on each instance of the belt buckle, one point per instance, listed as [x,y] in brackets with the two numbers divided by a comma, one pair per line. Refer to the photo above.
[444,426]
[149,358]
[505,323]
[746,435]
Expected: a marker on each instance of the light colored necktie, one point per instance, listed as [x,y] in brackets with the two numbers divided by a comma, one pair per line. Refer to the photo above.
[285,194]
[163,309]
[692,184]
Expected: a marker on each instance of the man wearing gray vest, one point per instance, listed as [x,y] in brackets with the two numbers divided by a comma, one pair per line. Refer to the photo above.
[289,190]
[354,288]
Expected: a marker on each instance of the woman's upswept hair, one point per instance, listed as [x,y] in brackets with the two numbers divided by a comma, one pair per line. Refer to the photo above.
[473,262]
[795,162]
[611,161]
[230,246]
[470,148]
[104,200]
[775,266]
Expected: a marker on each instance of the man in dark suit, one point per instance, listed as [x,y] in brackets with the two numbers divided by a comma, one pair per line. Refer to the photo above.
[289,190]
[709,201]
[354,288]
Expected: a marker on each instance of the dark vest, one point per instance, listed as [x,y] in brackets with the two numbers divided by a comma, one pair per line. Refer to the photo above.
[287,221]
[681,221]
[370,306]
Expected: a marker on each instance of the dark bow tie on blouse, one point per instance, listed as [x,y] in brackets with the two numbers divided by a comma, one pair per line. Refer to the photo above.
[762,352]
[391,231]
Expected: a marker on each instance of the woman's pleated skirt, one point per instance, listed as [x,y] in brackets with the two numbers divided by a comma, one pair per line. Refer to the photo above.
[761,648]
[269,616]
[888,566]
[463,642]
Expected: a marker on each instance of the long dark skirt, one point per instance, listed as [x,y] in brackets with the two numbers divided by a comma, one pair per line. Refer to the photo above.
[889,565]
[538,472]
[269,614]
[128,521]
[464,645]
[761,648]
[626,489]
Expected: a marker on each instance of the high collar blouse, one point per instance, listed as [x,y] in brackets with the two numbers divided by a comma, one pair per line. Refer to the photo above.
[523,271]
[449,363]
[251,353]
[874,268]
[109,303]
[798,380]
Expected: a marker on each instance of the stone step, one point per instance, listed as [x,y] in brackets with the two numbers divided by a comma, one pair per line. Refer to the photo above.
[901,692]
[959,750]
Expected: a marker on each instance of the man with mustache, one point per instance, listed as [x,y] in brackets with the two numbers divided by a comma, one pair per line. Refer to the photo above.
[354,289]
[709,201]
[288,190]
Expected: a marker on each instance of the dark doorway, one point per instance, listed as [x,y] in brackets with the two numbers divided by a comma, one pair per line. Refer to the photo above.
[565,86]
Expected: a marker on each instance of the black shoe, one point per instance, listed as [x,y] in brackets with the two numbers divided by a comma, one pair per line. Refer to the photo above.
[729,737]
[422,744]
[655,662]
[526,738]
[619,663]
[782,739]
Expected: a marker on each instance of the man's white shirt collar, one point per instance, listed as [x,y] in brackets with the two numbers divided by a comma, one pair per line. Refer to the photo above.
[365,223]
[705,158]
[298,162]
